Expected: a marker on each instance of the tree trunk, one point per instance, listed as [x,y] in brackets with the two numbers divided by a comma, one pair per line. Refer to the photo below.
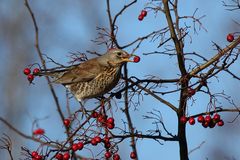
[183,148]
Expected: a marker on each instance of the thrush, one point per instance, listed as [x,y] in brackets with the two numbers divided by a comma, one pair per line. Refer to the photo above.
[94,77]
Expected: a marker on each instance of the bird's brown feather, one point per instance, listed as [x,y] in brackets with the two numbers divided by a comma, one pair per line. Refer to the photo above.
[84,72]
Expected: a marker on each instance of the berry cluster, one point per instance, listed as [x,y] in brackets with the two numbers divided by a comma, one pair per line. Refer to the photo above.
[36,156]
[77,146]
[106,140]
[108,154]
[230,37]
[206,121]
[209,121]
[107,123]
[104,120]
[110,124]
[142,15]
[65,156]
[95,140]
[30,76]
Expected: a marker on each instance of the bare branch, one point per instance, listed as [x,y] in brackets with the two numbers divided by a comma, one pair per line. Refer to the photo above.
[216,57]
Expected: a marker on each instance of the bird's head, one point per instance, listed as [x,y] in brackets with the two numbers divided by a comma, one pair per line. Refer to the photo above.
[118,56]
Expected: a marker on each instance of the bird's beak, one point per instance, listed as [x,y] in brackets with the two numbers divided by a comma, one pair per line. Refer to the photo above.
[126,58]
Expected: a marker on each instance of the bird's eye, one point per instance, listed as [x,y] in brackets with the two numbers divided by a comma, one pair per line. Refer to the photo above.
[119,53]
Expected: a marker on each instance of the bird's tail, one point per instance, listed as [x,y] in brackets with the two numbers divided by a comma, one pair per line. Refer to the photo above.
[53,74]
[50,72]
[44,73]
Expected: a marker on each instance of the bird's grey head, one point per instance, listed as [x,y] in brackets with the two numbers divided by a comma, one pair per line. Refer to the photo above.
[116,57]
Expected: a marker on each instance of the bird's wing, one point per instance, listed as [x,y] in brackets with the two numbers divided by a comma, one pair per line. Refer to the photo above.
[84,72]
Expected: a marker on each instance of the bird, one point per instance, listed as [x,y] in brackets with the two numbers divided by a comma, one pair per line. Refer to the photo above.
[92,78]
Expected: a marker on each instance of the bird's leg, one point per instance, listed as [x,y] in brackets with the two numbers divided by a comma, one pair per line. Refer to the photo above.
[103,110]
[83,110]
[102,102]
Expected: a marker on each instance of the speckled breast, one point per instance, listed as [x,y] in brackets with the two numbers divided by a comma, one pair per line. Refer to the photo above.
[100,85]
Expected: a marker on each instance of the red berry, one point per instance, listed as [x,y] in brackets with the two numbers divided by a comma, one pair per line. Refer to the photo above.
[191,121]
[66,156]
[144,13]
[39,131]
[191,92]
[107,145]
[106,139]
[67,122]
[216,117]
[116,156]
[230,37]
[183,119]
[34,153]
[94,114]
[200,119]
[133,155]
[212,124]
[98,139]
[208,118]
[36,70]
[80,145]
[140,17]
[30,78]
[26,71]
[108,154]
[101,119]
[94,142]
[220,123]
[136,59]
[110,125]
[110,120]
[38,157]
[59,156]
[205,124]
[74,147]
